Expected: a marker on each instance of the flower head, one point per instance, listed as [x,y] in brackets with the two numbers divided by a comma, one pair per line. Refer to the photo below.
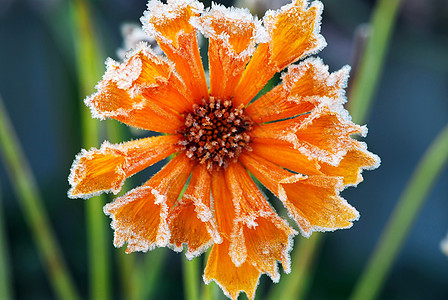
[296,139]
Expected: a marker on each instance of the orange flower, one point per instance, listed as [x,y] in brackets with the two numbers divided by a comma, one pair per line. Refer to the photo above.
[296,139]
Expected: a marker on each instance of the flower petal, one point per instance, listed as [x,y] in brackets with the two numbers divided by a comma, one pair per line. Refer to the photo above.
[191,221]
[294,33]
[231,279]
[140,217]
[351,166]
[326,135]
[143,92]
[312,201]
[284,155]
[260,235]
[232,34]
[303,88]
[170,25]
[105,169]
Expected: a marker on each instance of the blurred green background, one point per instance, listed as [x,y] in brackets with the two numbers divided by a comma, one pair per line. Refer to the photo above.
[40,90]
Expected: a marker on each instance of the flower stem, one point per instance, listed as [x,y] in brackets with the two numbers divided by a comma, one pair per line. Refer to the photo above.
[5,277]
[152,266]
[372,61]
[293,287]
[89,70]
[191,276]
[400,223]
[30,200]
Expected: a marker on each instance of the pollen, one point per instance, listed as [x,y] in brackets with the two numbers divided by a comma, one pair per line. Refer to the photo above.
[215,133]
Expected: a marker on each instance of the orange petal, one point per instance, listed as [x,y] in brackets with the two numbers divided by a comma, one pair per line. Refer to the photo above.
[231,279]
[232,33]
[223,204]
[284,155]
[294,30]
[140,217]
[258,71]
[191,221]
[302,89]
[170,25]
[315,204]
[351,166]
[105,169]
[312,201]
[142,92]
[260,235]
[326,135]
[293,33]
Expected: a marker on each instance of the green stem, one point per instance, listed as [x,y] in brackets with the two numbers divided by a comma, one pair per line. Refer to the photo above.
[5,276]
[152,266]
[89,64]
[294,286]
[372,61]
[191,276]
[400,223]
[28,194]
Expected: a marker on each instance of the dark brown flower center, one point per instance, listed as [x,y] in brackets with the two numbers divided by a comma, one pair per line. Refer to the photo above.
[215,133]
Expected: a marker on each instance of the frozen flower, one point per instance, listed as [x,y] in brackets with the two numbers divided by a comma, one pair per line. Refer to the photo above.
[296,139]
[133,34]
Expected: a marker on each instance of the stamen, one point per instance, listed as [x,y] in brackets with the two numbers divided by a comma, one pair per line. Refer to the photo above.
[215,133]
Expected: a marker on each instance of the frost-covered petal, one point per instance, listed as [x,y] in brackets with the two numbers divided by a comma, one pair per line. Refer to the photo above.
[106,169]
[143,91]
[259,232]
[232,34]
[140,217]
[191,221]
[220,266]
[352,165]
[303,88]
[285,155]
[170,25]
[232,279]
[293,33]
[326,135]
[312,201]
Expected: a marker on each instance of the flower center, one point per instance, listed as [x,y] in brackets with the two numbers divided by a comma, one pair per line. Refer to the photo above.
[215,133]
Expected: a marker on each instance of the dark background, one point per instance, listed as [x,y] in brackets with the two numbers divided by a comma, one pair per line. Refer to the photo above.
[38,83]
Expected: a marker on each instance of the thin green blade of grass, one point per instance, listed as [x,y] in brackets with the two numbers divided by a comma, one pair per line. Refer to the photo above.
[89,66]
[400,223]
[28,194]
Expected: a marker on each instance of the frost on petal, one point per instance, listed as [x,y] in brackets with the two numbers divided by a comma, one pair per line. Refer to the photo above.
[144,92]
[293,32]
[326,135]
[232,279]
[315,204]
[352,165]
[312,201]
[140,217]
[232,34]
[106,169]
[170,25]
[133,35]
[304,86]
[259,231]
[285,155]
[191,222]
